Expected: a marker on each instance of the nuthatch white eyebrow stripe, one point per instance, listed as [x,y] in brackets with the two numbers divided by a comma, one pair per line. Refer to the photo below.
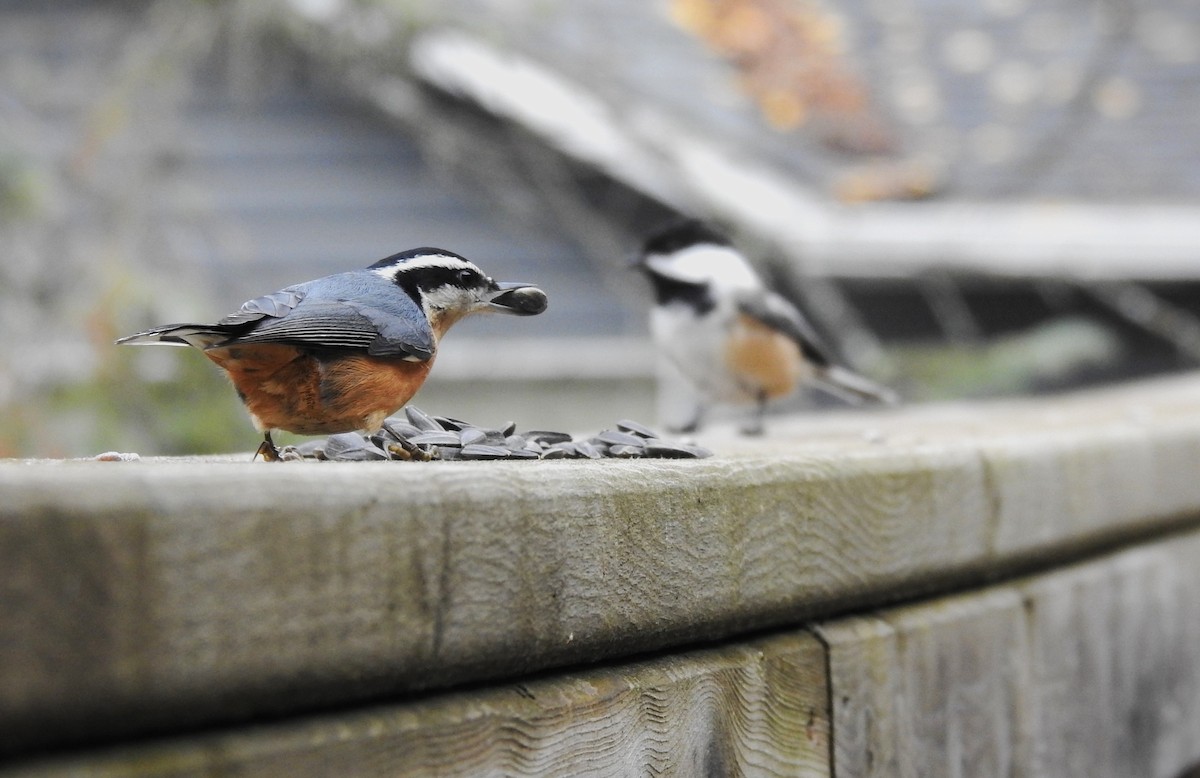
[444,261]
[343,352]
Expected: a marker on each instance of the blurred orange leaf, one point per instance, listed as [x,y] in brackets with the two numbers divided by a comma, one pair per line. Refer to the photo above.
[792,59]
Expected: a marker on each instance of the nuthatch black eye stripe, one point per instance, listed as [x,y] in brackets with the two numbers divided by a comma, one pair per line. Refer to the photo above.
[343,352]
[733,339]
[422,270]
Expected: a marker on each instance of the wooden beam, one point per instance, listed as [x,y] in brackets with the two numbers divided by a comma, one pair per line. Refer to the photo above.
[927,690]
[752,709]
[162,594]
[1088,671]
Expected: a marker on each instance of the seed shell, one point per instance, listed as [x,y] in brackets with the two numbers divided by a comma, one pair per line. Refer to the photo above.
[631,426]
[618,438]
[436,438]
[421,420]
[481,451]
[588,449]
[399,428]
[472,435]
[549,437]
[417,436]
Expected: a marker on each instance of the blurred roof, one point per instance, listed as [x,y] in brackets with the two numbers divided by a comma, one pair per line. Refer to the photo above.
[161,160]
[540,137]
[860,100]
[863,137]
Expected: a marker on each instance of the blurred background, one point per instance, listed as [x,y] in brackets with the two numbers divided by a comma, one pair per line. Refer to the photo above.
[971,198]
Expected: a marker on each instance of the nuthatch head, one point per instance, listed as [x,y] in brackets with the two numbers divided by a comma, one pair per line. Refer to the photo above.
[732,338]
[343,352]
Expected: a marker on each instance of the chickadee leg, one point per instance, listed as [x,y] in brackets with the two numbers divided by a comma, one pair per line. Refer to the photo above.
[680,404]
[267,449]
[755,424]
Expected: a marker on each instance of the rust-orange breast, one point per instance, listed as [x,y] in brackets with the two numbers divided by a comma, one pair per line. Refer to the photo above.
[292,389]
[763,359]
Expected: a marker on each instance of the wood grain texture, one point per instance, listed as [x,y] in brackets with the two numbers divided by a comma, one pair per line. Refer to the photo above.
[927,690]
[173,593]
[1088,671]
[753,709]
[163,594]
[1092,671]
[1115,660]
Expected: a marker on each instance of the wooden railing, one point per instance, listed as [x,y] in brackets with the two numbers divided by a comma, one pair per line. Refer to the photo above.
[979,589]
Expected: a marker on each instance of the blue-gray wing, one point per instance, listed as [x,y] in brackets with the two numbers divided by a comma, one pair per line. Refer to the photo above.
[356,310]
[776,312]
[275,305]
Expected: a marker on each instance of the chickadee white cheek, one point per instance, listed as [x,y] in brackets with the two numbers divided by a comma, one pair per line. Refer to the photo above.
[720,267]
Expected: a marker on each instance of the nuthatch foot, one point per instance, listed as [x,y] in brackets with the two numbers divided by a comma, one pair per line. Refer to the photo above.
[344,352]
[732,338]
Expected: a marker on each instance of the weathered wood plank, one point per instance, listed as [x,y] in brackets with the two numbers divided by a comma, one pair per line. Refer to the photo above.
[1088,671]
[1092,671]
[754,709]
[1115,650]
[164,594]
[927,690]
[172,593]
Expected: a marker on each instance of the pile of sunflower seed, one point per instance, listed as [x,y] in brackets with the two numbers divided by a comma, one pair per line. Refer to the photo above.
[418,436]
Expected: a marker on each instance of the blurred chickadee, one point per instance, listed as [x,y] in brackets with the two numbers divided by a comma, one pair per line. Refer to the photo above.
[732,338]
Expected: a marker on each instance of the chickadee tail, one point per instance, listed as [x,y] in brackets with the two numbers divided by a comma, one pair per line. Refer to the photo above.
[853,388]
[195,335]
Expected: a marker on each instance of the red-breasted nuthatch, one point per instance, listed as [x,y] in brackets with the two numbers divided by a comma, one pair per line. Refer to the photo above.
[344,352]
[732,338]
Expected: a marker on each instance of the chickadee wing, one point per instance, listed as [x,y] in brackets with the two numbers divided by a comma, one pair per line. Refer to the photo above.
[776,312]
[350,310]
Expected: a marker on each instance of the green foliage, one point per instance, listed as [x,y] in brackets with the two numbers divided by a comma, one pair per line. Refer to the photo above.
[1044,356]
[193,412]
[185,407]
[20,194]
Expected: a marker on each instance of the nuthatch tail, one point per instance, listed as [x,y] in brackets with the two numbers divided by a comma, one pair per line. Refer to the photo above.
[344,352]
[732,338]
